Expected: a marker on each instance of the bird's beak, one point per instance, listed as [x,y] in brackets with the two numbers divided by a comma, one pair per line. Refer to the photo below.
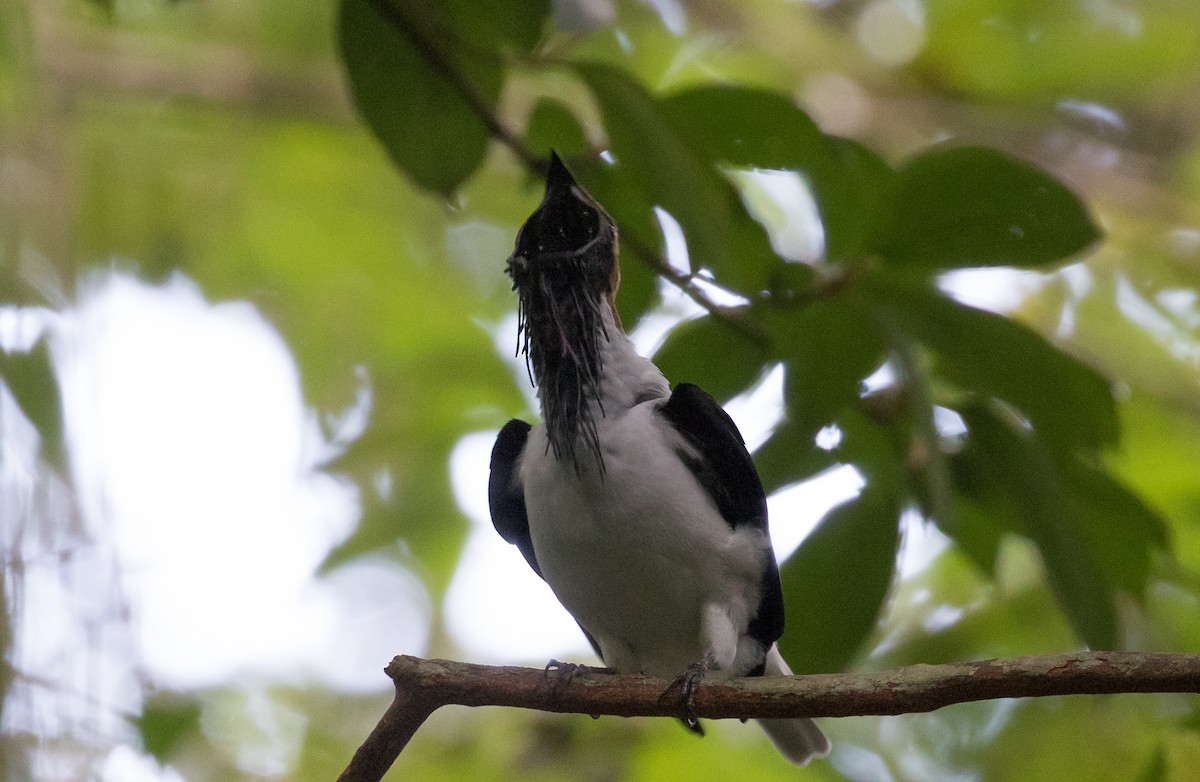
[558,178]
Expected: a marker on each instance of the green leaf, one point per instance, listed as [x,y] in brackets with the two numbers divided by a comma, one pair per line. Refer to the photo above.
[753,128]
[1158,457]
[672,174]
[31,379]
[850,192]
[414,107]
[1156,769]
[553,126]
[1123,529]
[981,510]
[504,24]
[398,527]
[754,266]
[829,347]
[791,281]
[790,456]
[748,128]
[1026,472]
[1068,403]
[669,172]
[165,721]
[975,206]
[713,355]
[829,618]
[974,529]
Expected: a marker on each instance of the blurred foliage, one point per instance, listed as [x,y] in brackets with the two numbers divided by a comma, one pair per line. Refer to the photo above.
[358,173]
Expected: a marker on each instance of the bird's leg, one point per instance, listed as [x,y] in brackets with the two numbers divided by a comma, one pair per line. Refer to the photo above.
[688,682]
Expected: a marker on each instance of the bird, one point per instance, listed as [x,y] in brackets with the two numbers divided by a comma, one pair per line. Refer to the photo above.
[638,505]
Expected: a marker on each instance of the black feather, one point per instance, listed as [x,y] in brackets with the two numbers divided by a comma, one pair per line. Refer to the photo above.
[723,467]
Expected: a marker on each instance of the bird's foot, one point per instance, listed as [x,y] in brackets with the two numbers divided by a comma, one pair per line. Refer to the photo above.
[567,671]
[688,682]
[560,670]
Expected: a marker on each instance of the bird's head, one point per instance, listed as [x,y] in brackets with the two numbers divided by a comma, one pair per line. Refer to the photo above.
[569,240]
[565,271]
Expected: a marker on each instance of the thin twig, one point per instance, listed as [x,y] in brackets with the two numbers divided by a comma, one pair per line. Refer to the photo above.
[424,685]
[735,317]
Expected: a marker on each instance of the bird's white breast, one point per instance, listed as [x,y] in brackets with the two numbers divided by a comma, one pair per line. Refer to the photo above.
[640,555]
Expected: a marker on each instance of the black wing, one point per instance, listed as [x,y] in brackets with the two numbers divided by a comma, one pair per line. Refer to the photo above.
[506,498]
[724,468]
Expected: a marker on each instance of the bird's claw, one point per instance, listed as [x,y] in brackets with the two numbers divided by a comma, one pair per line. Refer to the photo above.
[688,682]
[561,670]
[567,671]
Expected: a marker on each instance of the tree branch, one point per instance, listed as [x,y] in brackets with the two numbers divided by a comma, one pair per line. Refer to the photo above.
[424,685]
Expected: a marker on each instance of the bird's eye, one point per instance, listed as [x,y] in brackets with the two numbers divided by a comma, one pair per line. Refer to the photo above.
[517,264]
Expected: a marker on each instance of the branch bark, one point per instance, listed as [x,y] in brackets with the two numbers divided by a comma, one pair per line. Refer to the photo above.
[424,685]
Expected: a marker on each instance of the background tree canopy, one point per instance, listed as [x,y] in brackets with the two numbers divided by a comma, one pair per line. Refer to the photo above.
[947,249]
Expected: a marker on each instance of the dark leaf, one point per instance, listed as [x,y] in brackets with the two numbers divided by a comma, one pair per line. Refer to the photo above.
[835,584]
[616,187]
[975,206]
[674,174]
[713,355]
[1026,472]
[791,281]
[790,456]
[1124,530]
[829,347]
[981,509]
[669,172]
[638,294]
[850,191]
[974,529]
[164,722]
[754,265]
[752,128]
[31,379]
[748,128]
[415,108]
[1068,403]
[504,24]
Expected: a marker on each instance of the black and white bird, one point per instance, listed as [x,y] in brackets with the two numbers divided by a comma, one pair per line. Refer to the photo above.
[638,505]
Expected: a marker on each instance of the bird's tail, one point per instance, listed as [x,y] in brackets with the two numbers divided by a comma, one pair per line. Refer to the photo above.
[798,740]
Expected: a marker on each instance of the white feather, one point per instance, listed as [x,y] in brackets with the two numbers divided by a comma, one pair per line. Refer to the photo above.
[798,740]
